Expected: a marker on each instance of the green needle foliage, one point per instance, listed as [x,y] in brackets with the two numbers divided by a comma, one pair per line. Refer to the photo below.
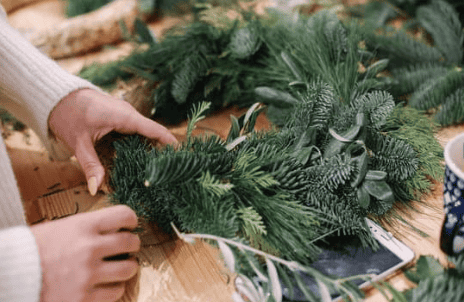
[301,184]
[434,282]
[344,149]
[428,72]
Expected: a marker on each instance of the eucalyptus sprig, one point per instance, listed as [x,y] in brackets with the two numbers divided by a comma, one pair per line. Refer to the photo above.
[267,284]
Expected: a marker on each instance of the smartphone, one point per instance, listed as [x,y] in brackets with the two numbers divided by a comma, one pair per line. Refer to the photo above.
[354,260]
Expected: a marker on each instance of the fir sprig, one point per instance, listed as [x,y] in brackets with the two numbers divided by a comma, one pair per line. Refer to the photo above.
[264,281]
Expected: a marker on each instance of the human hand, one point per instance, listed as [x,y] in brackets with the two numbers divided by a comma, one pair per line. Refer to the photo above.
[73,250]
[85,116]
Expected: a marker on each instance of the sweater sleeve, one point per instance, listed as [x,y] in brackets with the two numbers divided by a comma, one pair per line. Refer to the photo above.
[20,272]
[31,84]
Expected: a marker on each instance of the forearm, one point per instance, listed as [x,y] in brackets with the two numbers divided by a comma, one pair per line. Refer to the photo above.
[31,84]
[20,271]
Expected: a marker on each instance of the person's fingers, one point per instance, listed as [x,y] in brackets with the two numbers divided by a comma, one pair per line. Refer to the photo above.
[117,271]
[107,292]
[113,219]
[137,123]
[118,243]
[91,165]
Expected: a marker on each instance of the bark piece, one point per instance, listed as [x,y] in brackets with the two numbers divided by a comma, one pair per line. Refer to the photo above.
[87,32]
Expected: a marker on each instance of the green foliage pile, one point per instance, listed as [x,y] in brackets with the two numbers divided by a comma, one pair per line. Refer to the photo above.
[198,63]
[344,150]
[262,187]
[426,72]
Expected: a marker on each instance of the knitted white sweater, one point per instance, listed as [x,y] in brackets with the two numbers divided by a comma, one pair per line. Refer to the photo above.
[30,86]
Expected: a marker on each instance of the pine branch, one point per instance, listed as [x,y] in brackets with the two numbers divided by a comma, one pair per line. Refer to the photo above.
[411,125]
[400,48]
[452,110]
[186,78]
[200,211]
[441,20]
[245,42]
[431,93]
[409,78]
[394,156]
[377,105]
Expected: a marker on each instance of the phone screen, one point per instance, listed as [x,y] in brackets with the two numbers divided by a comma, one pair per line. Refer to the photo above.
[353,260]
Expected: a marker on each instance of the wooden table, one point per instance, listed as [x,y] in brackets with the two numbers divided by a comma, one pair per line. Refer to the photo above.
[171,270]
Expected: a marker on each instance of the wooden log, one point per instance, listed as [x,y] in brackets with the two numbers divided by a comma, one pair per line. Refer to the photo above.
[87,32]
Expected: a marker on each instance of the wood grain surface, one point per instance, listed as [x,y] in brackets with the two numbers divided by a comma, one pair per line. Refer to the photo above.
[170,270]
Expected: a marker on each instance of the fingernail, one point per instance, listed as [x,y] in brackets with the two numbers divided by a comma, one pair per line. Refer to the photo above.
[92,183]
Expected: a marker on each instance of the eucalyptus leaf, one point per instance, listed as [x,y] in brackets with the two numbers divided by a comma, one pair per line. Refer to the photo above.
[304,288]
[426,267]
[228,255]
[250,112]
[286,281]
[376,175]
[247,288]
[354,291]
[361,161]
[342,138]
[376,67]
[230,146]
[255,267]
[234,131]
[379,189]
[275,283]
[397,296]
[364,198]
[143,32]
[324,291]
[236,297]
[276,97]
[296,72]
[339,141]
[250,121]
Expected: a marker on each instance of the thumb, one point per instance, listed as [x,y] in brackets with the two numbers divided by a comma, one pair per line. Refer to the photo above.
[91,165]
